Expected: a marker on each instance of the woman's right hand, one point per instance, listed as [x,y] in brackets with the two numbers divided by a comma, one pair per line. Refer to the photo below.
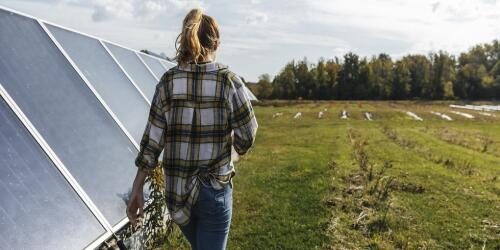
[135,207]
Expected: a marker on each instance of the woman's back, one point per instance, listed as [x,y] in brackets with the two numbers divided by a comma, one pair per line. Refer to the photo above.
[200,110]
[193,114]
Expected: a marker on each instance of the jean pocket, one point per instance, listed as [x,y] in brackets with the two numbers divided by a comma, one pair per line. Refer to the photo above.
[220,197]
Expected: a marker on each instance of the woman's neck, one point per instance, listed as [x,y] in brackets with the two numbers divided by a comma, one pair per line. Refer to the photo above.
[205,59]
[209,57]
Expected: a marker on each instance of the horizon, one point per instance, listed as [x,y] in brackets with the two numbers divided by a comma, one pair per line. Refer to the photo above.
[328,29]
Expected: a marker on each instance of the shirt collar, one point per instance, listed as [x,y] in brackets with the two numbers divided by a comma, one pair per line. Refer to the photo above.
[203,67]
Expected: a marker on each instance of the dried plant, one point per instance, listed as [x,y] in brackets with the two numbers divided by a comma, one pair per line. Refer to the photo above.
[155,224]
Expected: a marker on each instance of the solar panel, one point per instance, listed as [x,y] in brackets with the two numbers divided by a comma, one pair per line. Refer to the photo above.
[154,65]
[107,78]
[34,196]
[166,64]
[135,68]
[66,113]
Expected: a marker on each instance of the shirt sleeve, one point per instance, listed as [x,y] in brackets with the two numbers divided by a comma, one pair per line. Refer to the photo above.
[153,139]
[242,117]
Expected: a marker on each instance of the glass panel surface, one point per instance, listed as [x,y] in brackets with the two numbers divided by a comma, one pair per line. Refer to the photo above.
[135,68]
[166,64]
[107,78]
[66,113]
[154,65]
[37,205]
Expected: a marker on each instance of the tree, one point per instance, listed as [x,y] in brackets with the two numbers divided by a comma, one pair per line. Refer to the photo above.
[332,68]
[442,77]
[320,75]
[305,80]
[348,76]
[472,70]
[265,88]
[285,83]
[363,88]
[382,76]
[495,74]
[401,85]
[420,71]
[474,75]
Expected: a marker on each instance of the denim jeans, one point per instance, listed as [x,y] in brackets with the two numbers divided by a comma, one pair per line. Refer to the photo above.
[210,218]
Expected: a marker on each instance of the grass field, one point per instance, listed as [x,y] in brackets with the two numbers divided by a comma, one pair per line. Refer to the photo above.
[390,183]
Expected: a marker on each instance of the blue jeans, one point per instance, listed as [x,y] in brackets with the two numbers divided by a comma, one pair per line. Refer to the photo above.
[210,219]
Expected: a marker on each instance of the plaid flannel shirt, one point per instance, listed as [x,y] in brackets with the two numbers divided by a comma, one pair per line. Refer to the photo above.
[194,112]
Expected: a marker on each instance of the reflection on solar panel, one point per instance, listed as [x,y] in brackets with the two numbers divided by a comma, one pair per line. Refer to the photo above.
[34,196]
[166,64]
[66,113]
[107,78]
[154,64]
[135,68]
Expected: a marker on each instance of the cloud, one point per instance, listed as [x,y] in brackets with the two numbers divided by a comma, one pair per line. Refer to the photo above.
[256,18]
[105,9]
[274,32]
[435,6]
[133,9]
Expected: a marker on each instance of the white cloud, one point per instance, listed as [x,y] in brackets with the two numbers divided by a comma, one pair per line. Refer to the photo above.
[256,18]
[133,9]
[274,32]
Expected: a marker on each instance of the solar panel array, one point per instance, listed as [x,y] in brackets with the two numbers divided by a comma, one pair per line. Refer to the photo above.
[73,108]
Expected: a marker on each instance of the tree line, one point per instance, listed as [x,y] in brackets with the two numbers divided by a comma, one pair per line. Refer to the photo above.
[475,74]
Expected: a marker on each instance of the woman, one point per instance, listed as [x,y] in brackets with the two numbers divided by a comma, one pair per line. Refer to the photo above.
[199,111]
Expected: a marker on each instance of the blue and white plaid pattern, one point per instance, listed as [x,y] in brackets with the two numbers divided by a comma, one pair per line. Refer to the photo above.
[193,114]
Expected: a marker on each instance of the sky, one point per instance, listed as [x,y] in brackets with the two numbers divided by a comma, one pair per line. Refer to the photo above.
[259,36]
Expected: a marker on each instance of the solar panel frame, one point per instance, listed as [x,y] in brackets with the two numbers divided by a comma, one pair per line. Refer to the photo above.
[123,222]
[165,63]
[147,66]
[144,75]
[110,230]
[125,72]
[42,22]
[38,24]
[145,56]
[60,166]
[49,178]
[139,124]
[87,82]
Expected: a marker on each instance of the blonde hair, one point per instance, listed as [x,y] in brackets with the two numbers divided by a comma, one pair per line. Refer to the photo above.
[199,37]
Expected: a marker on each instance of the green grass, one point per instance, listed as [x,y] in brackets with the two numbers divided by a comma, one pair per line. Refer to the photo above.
[293,190]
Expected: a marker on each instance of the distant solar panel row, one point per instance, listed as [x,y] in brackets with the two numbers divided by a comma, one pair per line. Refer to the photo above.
[69,134]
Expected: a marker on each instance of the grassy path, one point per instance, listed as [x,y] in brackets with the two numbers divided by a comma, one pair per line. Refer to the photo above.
[295,189]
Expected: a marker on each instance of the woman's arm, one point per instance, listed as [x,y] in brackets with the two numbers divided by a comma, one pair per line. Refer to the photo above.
[152,144]
[135,207]
[242,117]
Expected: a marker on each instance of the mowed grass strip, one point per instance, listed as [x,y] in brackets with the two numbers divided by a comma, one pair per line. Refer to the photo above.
[455,209]
[280,185]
